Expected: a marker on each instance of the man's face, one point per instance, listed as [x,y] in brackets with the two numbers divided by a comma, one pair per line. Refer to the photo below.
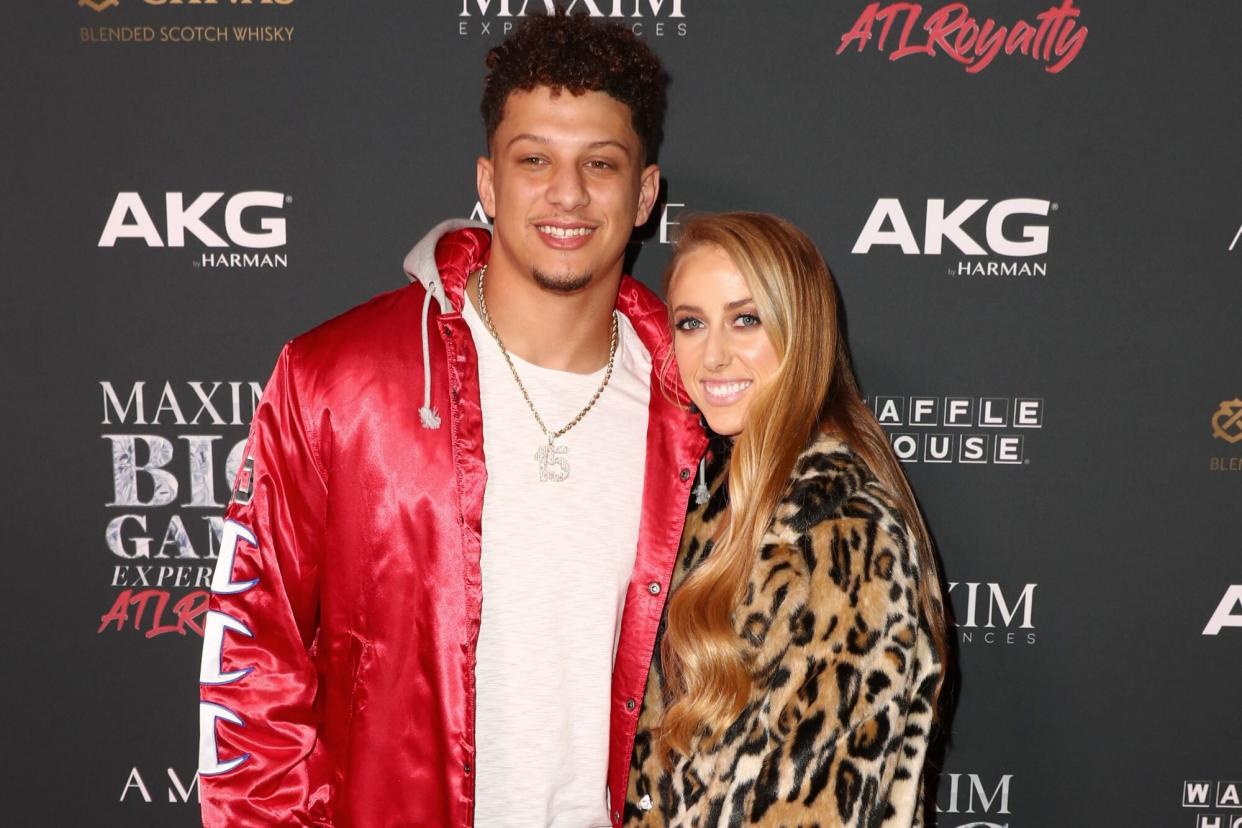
[565,185]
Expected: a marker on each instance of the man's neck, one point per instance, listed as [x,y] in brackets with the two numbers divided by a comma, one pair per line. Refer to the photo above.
[560,331]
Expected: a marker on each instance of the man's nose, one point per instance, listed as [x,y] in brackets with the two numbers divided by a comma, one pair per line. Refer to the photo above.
[567,189]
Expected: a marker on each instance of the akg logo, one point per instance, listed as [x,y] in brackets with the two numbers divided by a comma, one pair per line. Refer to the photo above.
[984,607]
[941,225]
[98,5]
[130,219]
[1224,616]
[1227,421]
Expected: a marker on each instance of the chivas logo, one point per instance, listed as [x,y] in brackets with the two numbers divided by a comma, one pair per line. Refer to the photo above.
[98,5]
[1227,421]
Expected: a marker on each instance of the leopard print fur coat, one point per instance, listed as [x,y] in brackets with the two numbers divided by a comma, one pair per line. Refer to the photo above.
[836,728]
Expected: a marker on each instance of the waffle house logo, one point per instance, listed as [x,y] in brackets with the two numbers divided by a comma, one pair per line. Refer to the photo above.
[1218,804]
[965,430]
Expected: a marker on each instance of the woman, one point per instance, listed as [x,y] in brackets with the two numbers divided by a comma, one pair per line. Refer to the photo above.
[803,641]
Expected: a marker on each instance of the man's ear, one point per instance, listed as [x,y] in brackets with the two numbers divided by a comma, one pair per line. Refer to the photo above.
[648,192]
[486,185]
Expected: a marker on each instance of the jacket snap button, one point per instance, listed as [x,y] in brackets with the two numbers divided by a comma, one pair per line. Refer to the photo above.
[616,816]
[685,474]
[629,704]
[466,767]
[654,587]
[448,331]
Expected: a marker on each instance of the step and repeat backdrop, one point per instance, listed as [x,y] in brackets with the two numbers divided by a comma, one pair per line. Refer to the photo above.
[1034,212]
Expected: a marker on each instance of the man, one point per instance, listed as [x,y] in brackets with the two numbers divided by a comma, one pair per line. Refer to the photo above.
[450,539]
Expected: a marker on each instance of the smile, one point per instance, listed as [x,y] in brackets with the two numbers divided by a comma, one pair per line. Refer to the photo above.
[723,393]
[564,232]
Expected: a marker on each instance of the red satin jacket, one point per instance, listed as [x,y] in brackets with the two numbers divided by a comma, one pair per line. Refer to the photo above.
[337,682]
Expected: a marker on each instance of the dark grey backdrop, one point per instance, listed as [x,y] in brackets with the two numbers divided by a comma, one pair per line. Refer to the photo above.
[1093,698]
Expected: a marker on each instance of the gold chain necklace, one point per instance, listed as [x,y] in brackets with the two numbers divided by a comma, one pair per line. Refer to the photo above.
[553,465]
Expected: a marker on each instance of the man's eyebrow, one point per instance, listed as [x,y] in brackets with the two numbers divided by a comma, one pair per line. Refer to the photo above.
[609,142]
[541,139]
[538,139]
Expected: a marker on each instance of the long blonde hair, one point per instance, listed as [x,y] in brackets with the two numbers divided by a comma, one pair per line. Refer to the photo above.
[813,390]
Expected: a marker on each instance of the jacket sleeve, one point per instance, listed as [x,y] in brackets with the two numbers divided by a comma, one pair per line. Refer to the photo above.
[852,726]
[258,717]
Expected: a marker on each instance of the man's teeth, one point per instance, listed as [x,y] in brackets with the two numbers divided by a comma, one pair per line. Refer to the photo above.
[726,389]
[565,232]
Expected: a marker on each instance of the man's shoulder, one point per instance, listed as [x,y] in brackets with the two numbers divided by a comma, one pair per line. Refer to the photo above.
[363,326]
[368,339]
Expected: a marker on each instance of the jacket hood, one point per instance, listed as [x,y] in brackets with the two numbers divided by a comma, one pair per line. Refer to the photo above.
[423,264]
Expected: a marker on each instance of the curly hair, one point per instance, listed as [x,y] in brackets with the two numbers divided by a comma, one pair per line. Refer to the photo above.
[568,51]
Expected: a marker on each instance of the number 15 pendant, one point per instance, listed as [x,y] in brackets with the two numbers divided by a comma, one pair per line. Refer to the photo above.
[552,463]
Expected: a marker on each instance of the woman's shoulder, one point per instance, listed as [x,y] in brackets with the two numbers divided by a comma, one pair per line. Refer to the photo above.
[830,482]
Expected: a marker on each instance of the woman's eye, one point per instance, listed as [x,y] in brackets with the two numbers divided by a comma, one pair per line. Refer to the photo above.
[687,323]
[746,320]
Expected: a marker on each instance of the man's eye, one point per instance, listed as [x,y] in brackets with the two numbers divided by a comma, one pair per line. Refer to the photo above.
[687,323]
[746,320]
[532,161]
[599,165]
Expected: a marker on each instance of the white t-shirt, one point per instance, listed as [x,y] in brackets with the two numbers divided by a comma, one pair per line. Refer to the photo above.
[557,558]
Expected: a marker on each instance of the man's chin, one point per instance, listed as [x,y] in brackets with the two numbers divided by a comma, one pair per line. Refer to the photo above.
[562,282]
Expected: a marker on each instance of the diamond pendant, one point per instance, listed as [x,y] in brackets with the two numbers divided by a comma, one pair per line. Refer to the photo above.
[552,463]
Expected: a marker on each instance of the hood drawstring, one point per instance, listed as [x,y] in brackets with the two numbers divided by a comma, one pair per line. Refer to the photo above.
[429,417]
[701,493]
[420,266]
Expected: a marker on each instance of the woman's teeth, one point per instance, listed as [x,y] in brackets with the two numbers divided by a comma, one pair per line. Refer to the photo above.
[725,389]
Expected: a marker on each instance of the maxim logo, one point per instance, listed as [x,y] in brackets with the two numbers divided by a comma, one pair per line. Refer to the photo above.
[1222,796]
[251,220]
[138,789]
[987,611]
[967,793]
[655,17]
[1055,38]
[1007,230]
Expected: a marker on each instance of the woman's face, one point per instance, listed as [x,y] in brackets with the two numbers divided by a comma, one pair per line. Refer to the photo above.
[722,349]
